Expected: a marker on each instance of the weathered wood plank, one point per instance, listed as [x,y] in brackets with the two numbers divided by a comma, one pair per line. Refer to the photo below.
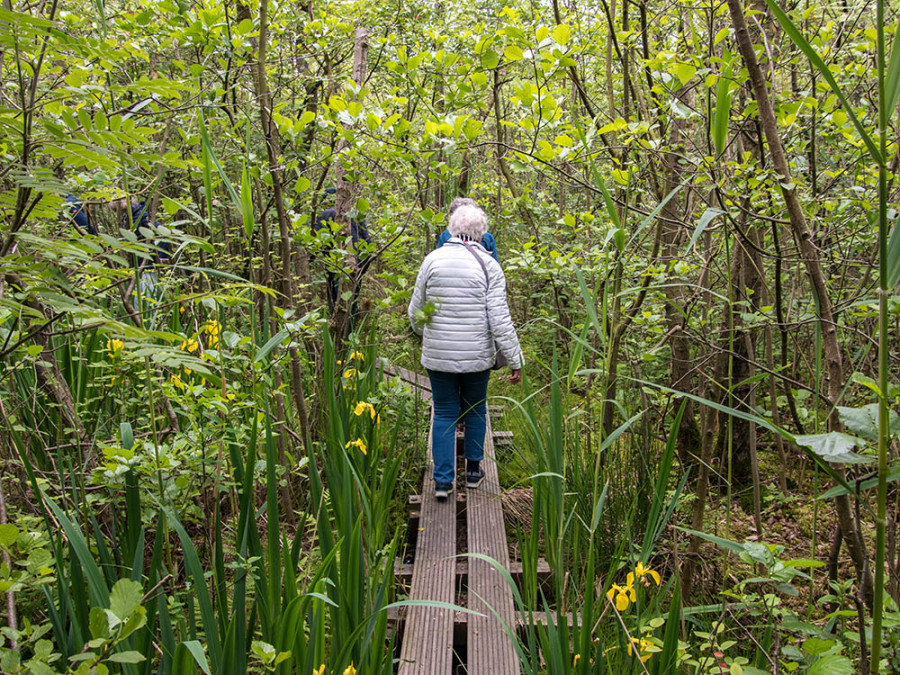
[410,377]
[404,571]
[489,648]
[428,636]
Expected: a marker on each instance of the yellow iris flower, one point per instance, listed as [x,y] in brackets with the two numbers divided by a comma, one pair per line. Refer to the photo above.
[114,347]
[359,443]
[641,572]
[362,407]
[190,345]
[350,670]
[356,355]
[320,670]
[642,647]
[622,595]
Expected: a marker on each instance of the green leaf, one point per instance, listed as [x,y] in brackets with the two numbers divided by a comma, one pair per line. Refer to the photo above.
[513,53]
[127,435]
[97,587]
[125,598]
[893,257]
[195,649]
[99,623]
[561,34]
[814,58]
[267,348]
[8,535]
[127,657]
[683,71]
[834,447]
[247,203]
[816,646]
[864,421]
[718,541]
[490,59]
[722,114]
[833,664]
[892,77]
[362,205]
[702,224]
[838,490]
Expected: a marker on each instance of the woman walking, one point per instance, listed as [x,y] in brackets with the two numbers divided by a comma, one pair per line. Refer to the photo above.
[459,307]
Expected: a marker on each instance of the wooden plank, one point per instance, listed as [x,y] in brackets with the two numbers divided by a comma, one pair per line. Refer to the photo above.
[428,636]
[404,571]
[489,649]
[410,377]
[503,438]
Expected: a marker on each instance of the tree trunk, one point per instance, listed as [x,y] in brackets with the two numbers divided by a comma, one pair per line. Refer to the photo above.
[273,152]
[811,262]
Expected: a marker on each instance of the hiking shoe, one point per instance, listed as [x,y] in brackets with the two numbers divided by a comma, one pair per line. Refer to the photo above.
[442,491]
[474,477]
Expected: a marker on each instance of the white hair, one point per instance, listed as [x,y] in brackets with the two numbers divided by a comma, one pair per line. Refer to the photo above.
[460,201]
[468,222]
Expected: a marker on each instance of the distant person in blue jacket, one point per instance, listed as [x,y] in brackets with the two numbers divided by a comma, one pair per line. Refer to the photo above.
[488,242]
[359,232]
[78,215]
[137,220]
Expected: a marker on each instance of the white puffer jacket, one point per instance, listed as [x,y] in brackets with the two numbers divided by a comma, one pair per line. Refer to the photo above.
[459,334]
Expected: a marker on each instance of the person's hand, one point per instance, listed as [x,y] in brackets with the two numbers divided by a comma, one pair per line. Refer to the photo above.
[516,377]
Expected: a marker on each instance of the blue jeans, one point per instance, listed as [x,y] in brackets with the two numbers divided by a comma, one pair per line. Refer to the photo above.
[457,396]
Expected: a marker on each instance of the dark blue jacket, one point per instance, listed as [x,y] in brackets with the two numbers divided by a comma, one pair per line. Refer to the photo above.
[358,230]
[140,218]
[79,215]
[488,242]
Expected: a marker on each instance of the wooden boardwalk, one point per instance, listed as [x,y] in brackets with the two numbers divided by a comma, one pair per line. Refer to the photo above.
[428,638]
[488,644]
[429,644]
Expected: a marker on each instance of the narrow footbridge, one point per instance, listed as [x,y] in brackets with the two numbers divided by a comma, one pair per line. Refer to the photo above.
[442,641]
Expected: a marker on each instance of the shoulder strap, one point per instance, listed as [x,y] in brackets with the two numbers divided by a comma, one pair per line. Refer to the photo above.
[487,278]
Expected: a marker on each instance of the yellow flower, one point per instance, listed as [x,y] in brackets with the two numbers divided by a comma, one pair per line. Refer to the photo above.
[359,443]
[190,345]
[114,347]
[350,373]
[622,595]
[350,670]
[356,355]
[177,382]
[643,646]
[362,407]
[181,309]
[575,660]
[641,572]
[320,670]
[212,327]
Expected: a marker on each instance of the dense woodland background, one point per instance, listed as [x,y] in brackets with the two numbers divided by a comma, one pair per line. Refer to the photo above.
[695,207]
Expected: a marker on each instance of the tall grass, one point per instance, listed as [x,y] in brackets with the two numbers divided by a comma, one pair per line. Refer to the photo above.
[593,519]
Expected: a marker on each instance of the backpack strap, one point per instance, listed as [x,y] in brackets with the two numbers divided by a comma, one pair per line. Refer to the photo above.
[487,279]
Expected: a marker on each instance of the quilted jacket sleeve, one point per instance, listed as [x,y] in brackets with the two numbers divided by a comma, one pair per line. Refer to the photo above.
[418,298]
[502,328]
